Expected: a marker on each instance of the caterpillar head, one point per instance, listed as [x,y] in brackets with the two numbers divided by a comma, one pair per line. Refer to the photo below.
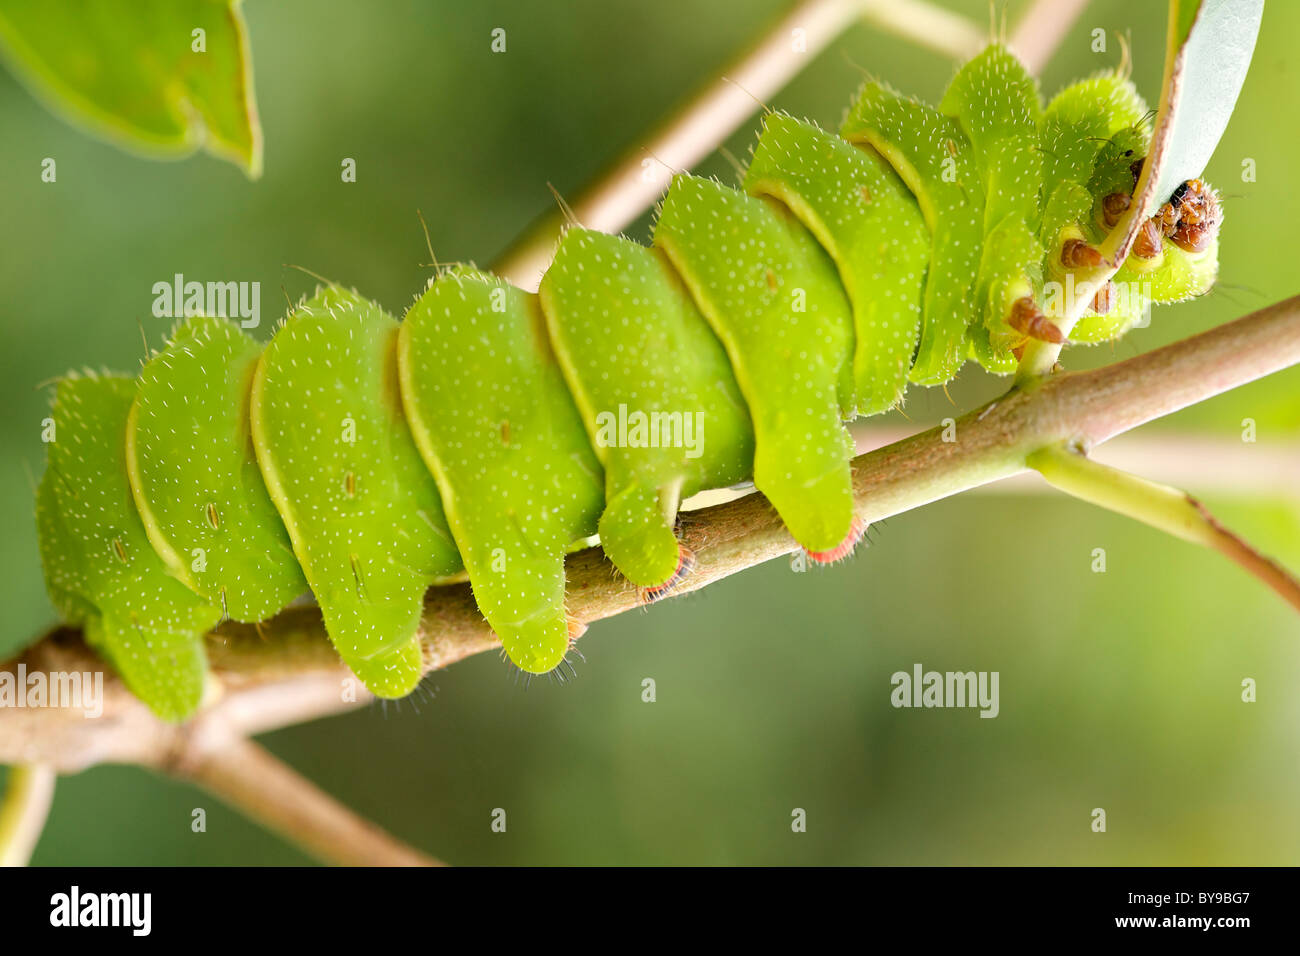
[1176,249]
[1179,245]
[1191,217]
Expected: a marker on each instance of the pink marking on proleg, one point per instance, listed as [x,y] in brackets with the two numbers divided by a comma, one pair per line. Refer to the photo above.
[685,565]
[857,529]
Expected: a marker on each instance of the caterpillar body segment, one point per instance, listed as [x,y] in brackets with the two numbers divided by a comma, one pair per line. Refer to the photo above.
[655,391]
[361,509]
[773,297]
[498,428]
[932,156]
[493,431]
[869,223]
[100,569]
[996,102]
[194,474]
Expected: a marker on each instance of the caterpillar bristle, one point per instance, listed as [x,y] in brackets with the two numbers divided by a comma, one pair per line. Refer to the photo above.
[518,675]
[562,672]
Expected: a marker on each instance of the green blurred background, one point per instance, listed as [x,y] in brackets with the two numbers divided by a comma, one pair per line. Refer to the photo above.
[1118,690]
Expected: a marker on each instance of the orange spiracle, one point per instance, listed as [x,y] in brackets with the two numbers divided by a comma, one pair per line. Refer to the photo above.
[1028,319]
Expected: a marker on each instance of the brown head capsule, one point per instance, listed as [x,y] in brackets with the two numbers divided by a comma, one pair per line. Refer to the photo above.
[1192,216]
[1028,319]
[1114,206]
[1077,254]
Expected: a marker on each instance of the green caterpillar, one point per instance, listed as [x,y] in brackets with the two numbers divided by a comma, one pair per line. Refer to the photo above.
[493,430]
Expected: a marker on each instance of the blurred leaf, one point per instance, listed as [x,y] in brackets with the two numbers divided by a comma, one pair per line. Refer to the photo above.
[140,73]
[1209,50]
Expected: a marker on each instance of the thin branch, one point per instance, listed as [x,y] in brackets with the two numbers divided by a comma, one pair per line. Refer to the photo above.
[1235,549]
[1168,509]
[928,25]
[286,673]
[1212,462]
[1042,30]
[26,804]
[630,187]
[264,789]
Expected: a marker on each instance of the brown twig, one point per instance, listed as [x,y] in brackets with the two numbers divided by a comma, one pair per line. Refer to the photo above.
[1042,29]
[1260,566]
[1169,509]
[624,191]
[265,789]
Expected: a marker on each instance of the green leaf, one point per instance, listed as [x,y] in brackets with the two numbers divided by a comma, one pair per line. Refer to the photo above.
[1210,46]
[140,74]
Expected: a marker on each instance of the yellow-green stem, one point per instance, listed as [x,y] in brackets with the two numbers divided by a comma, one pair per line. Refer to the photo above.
[23,811]
[1168,509]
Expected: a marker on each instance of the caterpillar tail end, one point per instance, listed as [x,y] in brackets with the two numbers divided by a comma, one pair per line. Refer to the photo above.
[685,565]
[857,528]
